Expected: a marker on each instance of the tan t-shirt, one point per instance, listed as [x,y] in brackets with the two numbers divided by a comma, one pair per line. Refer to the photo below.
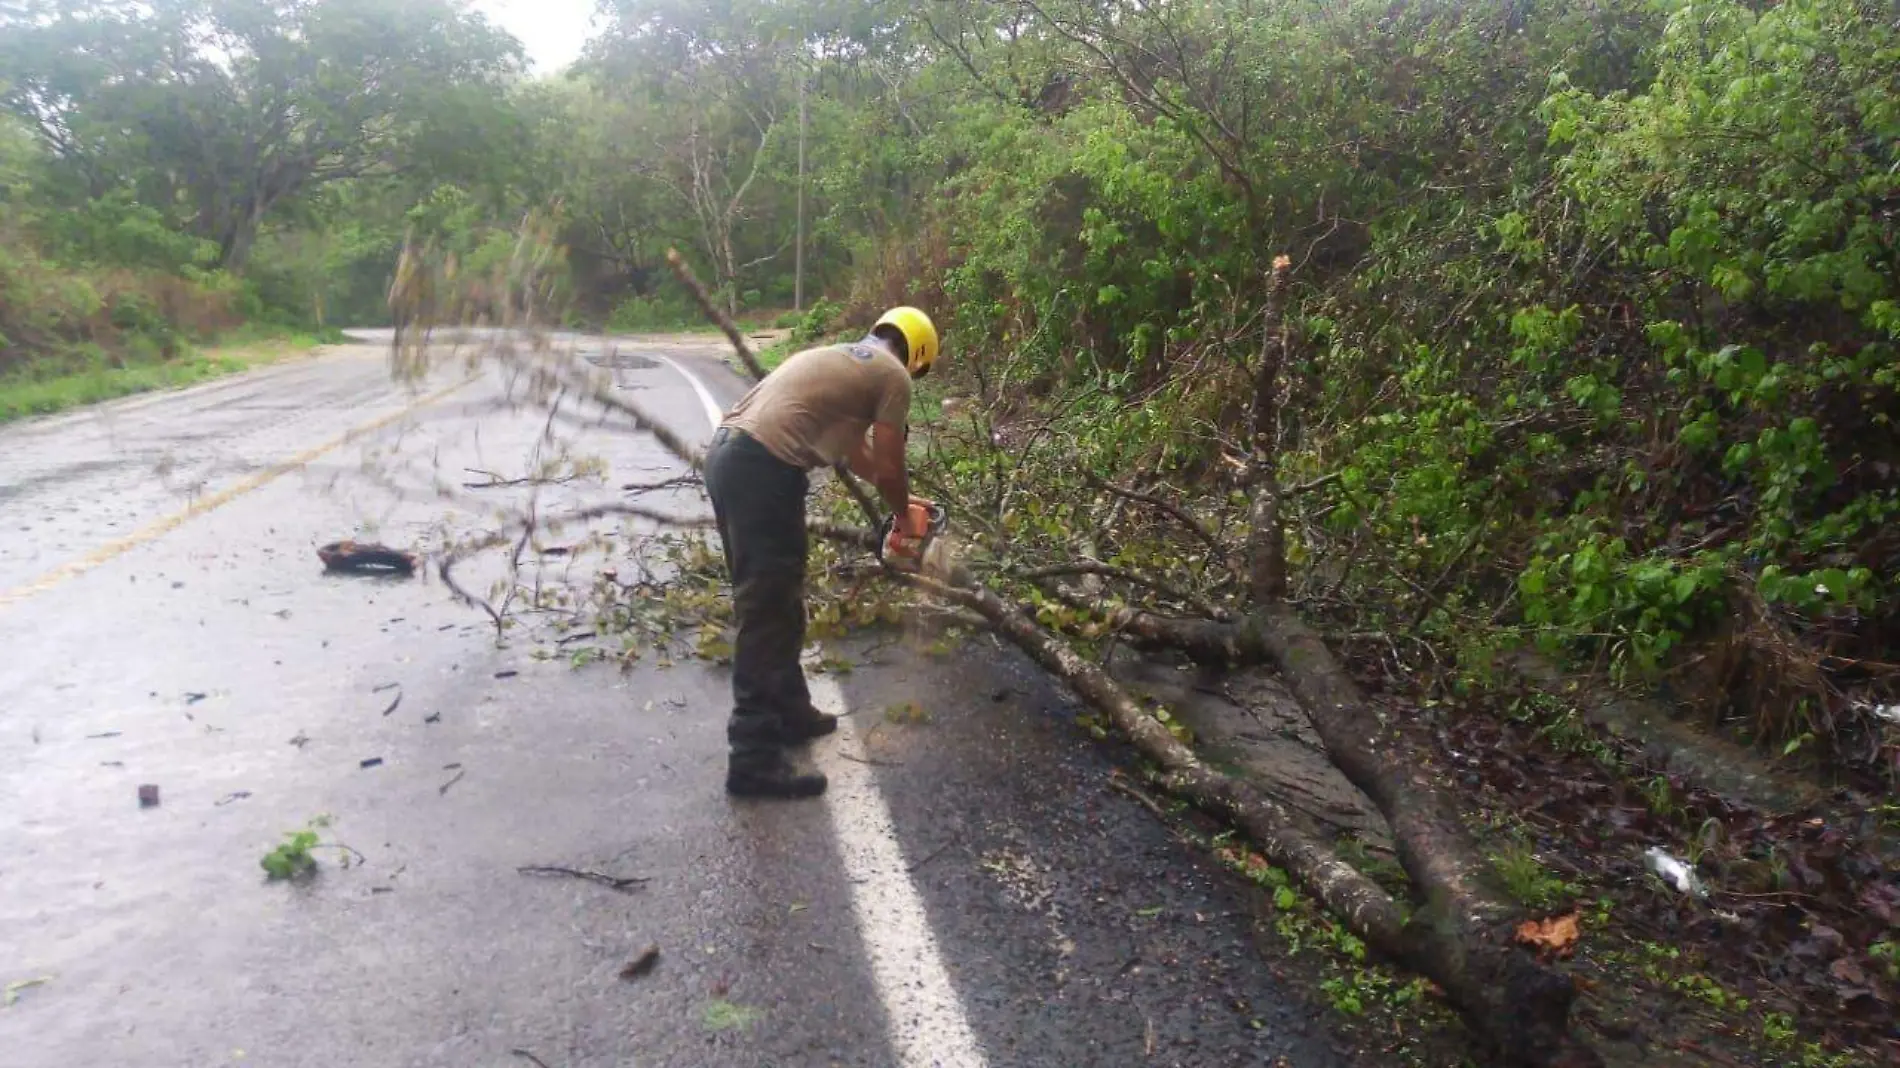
[815,408]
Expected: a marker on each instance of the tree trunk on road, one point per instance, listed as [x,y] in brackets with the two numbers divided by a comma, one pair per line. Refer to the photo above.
[1462,935]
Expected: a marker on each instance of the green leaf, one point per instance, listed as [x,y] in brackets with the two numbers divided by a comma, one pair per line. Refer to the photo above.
[1685,586]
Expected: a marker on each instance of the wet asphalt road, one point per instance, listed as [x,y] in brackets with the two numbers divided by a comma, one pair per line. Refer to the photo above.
[972,891]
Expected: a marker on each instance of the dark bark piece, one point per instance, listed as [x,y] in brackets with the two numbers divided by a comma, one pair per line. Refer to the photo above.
[643,964]
[366,558]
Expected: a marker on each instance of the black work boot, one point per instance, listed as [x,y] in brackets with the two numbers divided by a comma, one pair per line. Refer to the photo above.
[797,728]
[771,773]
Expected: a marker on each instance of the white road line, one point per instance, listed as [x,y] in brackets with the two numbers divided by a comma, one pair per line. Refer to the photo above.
[928,1027]
[713,412]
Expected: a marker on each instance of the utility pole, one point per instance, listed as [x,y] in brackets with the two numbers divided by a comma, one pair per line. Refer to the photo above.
[798,251]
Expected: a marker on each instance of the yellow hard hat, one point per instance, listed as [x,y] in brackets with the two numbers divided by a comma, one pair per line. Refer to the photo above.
[920,336]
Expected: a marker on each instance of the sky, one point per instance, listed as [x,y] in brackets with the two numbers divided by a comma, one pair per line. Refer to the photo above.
[552,31]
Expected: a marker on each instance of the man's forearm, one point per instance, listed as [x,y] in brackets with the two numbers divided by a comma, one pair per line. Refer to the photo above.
[860,462]
[894,487]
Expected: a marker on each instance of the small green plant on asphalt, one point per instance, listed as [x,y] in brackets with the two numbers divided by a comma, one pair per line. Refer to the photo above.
[908,713]
[723,1015]
[293,859]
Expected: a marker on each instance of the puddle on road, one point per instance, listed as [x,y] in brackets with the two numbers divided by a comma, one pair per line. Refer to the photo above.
[621,361]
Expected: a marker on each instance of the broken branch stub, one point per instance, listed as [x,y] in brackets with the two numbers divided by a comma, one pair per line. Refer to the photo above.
[364,558]
[1266,555]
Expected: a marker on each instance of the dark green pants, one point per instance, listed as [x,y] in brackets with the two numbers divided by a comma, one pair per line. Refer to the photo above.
[759,504]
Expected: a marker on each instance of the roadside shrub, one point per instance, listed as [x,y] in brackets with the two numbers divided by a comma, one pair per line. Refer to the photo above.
[665,309]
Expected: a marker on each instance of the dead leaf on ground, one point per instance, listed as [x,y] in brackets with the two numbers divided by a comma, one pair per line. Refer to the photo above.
[1847,970]
[1557,934]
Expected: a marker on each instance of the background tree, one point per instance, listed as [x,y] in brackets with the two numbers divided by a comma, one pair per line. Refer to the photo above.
[218,111]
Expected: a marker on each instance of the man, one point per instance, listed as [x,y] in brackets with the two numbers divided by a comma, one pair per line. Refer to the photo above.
[850,403]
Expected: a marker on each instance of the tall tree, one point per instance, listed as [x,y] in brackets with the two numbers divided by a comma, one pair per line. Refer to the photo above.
[217,111]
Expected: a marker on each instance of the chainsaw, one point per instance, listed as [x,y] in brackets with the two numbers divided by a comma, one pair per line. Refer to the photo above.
[910,553]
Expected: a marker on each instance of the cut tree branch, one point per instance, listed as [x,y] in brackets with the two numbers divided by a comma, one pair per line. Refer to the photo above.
[1122,574]
[1174,510]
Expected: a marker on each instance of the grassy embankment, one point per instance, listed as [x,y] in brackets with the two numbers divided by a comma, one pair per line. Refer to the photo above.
[39,389]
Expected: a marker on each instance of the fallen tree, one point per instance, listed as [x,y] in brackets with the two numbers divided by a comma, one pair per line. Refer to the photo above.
[1458,931]
[1463,935]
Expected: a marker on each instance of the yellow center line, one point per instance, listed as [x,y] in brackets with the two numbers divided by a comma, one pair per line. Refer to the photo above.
[111,549]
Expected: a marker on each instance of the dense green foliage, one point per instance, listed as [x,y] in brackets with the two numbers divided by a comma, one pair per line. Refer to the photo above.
[1595,311]
[172,169]
[1594,314]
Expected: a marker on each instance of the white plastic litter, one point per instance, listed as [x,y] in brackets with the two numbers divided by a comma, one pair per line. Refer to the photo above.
[1890,713]
[1674,872]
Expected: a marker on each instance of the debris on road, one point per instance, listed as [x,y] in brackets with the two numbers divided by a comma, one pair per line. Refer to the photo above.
[444,788]
[300,740]
[932,855]
[1557,935]
[525,1055]
[386,686]
[508,674]
[192,697]
[148,796]
[642,964]
[106,734]
[370,762]
[433,717]
[394,703]
[622,883]
[1674,872]
[236,795]
[13,989]
[366,558]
